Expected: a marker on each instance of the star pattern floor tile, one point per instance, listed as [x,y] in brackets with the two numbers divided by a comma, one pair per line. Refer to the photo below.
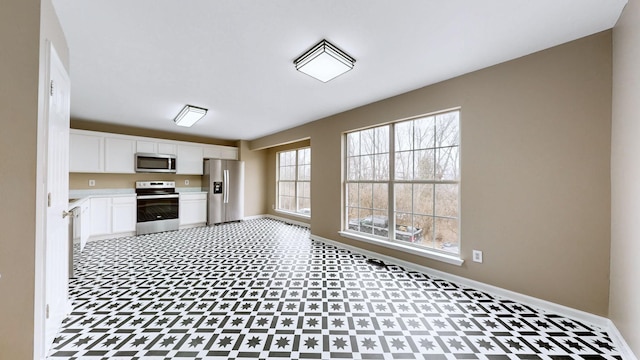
[261,289]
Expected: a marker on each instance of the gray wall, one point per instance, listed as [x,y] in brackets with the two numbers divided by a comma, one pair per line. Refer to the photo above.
[535,187]
[624,303]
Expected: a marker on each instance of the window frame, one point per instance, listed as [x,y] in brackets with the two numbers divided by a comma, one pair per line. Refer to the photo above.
[391,182]
[296,182]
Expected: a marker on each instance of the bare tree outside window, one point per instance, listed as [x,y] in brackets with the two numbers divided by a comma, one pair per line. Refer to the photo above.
[424,181]
[294,181]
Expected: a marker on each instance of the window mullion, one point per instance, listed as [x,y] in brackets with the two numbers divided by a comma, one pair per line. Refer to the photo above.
[391,184]
[295,183]
[433,202]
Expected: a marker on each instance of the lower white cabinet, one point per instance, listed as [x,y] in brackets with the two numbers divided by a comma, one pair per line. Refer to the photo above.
[193,208]
[112,215]
[123,214]
[100,215]
[85,223]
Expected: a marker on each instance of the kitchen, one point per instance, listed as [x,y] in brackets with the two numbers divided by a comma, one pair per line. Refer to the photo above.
[118,183]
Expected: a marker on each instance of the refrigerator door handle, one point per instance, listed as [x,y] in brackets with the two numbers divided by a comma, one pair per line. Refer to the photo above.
[226,186]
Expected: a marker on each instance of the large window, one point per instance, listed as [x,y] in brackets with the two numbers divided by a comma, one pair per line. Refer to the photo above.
[402,181]
[294,181]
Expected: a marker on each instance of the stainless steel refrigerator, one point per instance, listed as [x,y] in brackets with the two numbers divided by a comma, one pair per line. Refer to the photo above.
[223,180]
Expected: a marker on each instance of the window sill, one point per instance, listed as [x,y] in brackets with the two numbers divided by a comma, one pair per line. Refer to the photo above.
[449,259]
[294,214]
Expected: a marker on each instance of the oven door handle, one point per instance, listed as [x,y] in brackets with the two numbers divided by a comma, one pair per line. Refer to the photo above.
[150,197]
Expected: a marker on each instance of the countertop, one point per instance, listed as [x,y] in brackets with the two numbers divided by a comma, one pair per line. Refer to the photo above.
[77,197]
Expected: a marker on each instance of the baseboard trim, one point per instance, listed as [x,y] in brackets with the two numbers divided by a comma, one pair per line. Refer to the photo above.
[111,236]
[619,341]
[544,305]
[274,217]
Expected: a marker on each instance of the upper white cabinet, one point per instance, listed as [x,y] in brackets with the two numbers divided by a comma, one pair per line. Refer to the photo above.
[229,153]
[119,155]
[86,153]
[166,148]
[211,152]
[220,152]
[155,147]
[190,160]
[98,152]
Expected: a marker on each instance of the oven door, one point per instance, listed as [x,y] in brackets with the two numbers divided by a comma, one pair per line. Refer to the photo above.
[157,207]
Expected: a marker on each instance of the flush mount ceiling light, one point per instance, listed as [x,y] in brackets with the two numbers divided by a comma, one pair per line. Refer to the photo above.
[189,115]
[324,61]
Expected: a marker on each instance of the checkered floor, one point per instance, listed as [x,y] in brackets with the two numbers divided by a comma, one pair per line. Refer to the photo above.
[262,289]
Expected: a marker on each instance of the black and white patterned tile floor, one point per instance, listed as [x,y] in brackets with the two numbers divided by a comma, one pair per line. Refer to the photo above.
[262,289]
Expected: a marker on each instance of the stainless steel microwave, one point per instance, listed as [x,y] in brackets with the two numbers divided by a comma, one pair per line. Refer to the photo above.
[147,163]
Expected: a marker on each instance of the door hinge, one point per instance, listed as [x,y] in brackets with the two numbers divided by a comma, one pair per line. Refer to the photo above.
[51,88]
[49,200]
[46,311]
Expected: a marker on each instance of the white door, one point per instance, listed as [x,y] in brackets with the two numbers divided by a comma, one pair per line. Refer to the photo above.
[57,228]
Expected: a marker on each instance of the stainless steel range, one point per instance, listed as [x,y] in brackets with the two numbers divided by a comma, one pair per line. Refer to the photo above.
[157,206]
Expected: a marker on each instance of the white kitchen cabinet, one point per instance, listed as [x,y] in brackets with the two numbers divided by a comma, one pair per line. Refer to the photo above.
[229,153]
[220,152]
[86,153]
[155,147]
[166,148]
[150,147]
[189,160]
[85,223]
[193,208]
[98,152]
[100,216]
[211,152]
[123,214]
[119,155]
[112,215]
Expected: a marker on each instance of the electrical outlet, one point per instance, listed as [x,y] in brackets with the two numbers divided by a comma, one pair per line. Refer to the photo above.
[477,256]
[186,182]
[92,182]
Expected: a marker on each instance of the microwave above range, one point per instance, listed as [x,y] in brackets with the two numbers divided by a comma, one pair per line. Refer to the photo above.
[155,163]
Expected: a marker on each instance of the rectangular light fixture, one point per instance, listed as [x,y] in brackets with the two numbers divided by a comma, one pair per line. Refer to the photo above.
[324,61]
[189,115]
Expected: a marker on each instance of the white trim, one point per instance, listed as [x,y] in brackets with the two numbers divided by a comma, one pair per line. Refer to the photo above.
[543,305]
[414,250]
[111,236]
[288,221]
[619,341]
[269,216]
[254,217]
[294,214]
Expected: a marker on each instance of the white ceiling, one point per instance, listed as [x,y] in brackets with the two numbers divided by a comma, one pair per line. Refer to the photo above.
[138,62]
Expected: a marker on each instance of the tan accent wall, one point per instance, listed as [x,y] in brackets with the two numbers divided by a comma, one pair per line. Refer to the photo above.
[80,181]
[81,124]
[624,308]
[24,26]
[535,187]
[255,192]
[271,178]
